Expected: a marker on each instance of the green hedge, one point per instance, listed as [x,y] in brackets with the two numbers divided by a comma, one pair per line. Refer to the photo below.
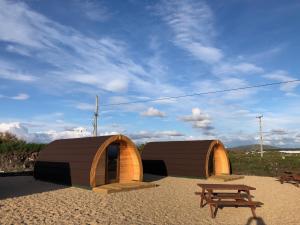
[10,143]
[273,163]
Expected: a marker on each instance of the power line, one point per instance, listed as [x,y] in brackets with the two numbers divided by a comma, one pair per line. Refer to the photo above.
[202,93]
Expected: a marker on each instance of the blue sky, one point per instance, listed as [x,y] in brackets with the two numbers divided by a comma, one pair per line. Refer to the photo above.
[55,56]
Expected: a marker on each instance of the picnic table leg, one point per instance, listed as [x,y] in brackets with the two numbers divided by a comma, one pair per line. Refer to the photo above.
[202,197]
[211,211]
[253,211]
[281,180]
[252,207]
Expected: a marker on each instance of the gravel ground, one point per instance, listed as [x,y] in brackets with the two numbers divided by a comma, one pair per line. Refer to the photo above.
[26,201]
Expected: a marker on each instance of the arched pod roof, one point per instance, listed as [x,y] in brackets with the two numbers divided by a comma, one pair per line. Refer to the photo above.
[184,158]
[75,161]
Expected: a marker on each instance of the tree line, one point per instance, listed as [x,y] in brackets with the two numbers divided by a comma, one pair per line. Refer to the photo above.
[11,143]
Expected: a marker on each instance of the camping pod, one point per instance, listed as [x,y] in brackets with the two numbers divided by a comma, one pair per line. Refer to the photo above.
[91,161]
[186,158]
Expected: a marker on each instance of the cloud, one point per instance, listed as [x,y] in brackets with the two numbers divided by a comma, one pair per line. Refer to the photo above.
[192,25]
[278,132]
[153,112]
[24,131]
[238,139]
[21,130]
[266,54]
[275,137]
[101,63]
[85,106]
[9,72]
[239,68]
[78,62]
[18,49]
[92,10]
[21,96]
[225,83]
[281,137]
[199,119]
[281,75]
[155,135]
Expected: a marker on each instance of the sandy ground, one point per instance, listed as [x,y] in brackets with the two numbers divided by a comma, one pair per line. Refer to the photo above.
[26,201]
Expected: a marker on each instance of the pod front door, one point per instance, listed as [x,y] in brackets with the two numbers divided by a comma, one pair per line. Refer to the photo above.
[112,163]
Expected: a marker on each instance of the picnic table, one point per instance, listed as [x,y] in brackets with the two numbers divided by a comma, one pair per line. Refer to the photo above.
[220,195]
[290,177]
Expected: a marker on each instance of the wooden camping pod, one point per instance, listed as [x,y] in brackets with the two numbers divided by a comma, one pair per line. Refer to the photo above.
[186,158]
[83,161]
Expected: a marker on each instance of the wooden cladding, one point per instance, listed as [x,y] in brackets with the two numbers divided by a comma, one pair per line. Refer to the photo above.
[185,158]
[82,161]
[221,164]
[131,167]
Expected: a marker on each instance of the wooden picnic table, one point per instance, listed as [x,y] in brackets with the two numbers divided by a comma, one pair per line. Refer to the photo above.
[218,195]
[290,177]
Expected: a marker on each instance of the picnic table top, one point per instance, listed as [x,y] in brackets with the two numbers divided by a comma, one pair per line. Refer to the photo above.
[226,187]
[296,177]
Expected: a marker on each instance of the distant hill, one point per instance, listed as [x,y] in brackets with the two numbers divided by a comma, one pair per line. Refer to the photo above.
[255,147]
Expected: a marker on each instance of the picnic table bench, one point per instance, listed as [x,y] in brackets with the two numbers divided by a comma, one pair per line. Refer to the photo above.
[290,177]
[217,196]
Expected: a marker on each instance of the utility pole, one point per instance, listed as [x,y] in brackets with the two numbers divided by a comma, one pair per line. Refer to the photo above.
[96,114]
[261,136]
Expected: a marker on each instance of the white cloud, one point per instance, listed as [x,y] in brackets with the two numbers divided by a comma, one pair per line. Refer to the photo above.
[239,68]
[266,54]
[16,16]
[93,62]
[153,112]
[277,138]
[224,84]
[85,106]
[143,136]
[18,49]
[22,131]
[21,96]
[9,72]
[199,119]
[118,83]
[92,10]
[281,137]
[281,75]
[78,62]
[192,24]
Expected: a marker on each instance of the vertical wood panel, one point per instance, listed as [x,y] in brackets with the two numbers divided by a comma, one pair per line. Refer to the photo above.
[220,161]
[130,161]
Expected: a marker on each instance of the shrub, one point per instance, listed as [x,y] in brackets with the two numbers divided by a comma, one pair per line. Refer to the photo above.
[10,143]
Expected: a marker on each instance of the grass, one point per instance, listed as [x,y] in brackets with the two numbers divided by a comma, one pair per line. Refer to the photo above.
[272,164]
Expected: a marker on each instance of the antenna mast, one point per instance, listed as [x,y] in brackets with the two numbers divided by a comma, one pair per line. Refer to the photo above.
[96,114]
[261,136]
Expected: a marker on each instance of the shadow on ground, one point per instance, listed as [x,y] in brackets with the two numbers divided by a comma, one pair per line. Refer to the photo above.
[255,221]
[150,177]
[16,185]
[12,174]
